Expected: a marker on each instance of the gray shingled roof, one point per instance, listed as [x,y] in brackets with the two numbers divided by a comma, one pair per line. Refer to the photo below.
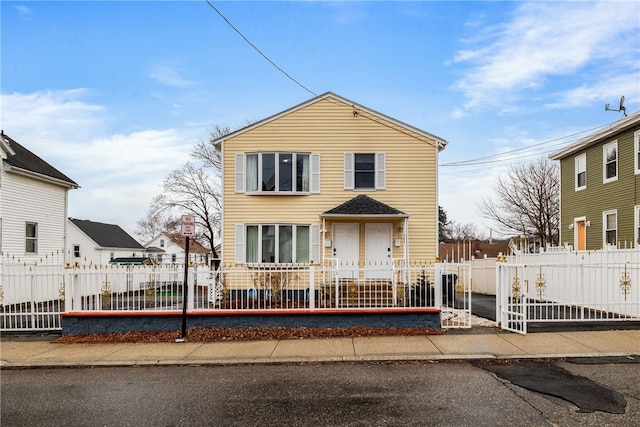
[26,160]
[363,205]
[107,235]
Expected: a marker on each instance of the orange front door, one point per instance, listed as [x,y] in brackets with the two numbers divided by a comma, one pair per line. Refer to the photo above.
[581,237]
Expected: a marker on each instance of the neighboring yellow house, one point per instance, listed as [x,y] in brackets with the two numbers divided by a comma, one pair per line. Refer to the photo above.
[330,181]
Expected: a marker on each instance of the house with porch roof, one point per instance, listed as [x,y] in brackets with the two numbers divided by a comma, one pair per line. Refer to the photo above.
[330,181]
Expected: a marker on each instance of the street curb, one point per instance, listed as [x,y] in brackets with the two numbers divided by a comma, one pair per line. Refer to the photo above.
[303,360]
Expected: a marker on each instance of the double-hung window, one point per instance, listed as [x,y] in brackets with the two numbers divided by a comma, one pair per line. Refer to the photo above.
[275,173]
[76,251]
[610,161]
[610,228]
[581,172]
[276,243]
[31,238]
[364,171]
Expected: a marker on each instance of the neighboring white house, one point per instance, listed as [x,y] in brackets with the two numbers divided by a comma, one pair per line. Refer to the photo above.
[33,205]
[97,243]
[169,248]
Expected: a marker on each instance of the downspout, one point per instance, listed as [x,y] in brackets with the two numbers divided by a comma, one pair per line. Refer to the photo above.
[222,229]
[406,241]
[66,221]
[324,235]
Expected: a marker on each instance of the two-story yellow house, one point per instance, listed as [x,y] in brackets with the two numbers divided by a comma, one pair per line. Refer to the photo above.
[330,181]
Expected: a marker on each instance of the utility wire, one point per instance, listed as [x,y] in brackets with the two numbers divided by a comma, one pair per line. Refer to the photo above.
[259,51]
[499,157]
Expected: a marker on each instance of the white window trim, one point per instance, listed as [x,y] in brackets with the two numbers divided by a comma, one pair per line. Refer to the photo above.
[34,239]
[583,157]
[240,236]
[604,226]
[604,162]
[241,167]
[636,225]
[636,144]
[380,179]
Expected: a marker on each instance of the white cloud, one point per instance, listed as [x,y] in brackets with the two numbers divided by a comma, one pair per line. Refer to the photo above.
[545,40]
[40,118]
[169,76]
[23,10]
[119,173]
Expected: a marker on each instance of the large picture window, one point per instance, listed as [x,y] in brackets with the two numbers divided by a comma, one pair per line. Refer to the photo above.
[581,172]
[277,173]
[31,238]
[277,243]
[610,221]
[610,160]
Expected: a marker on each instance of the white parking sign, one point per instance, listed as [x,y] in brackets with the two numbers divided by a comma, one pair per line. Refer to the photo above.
[188,225]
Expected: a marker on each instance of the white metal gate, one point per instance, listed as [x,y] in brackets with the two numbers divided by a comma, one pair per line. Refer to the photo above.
[455,284]
[592,286]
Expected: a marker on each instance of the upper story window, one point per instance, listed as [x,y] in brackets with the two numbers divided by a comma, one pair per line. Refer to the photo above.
[581,172]
[76,251]
[610,161]
[162,243]
[636,144]
[274,173]
[610,228]
[364,171]
[31,238]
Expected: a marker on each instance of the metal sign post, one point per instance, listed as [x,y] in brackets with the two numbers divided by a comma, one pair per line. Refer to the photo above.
[188,228]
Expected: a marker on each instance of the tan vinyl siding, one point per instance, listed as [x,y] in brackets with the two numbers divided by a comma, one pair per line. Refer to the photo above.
[621,195]
[329,128]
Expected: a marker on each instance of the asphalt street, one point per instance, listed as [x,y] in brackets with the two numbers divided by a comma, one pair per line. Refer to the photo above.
[489,393]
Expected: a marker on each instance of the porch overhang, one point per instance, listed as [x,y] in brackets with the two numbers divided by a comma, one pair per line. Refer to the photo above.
[363,206]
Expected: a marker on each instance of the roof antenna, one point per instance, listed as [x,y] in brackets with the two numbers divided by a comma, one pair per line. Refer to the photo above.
[621,108]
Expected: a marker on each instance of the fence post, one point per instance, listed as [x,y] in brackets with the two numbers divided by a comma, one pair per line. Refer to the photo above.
[438,286]
[191,288]
[312,287]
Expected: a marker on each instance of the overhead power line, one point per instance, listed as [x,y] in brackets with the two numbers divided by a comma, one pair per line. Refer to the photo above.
[259,51]
[506,156]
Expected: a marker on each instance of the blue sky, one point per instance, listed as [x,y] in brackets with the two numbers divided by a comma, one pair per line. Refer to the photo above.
[116,93]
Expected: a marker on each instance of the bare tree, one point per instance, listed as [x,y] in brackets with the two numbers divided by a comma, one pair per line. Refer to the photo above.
[194,188]
[527,201]
[157,220]
[459,232]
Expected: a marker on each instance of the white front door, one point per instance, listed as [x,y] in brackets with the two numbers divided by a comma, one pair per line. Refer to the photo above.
[346,242]
[378,251]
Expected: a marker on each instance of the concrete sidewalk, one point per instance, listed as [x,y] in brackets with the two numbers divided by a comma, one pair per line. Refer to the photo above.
[473,344]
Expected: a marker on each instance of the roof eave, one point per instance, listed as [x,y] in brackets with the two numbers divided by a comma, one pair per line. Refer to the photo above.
[614,128]
[440,142]
[324,215]
[41,177]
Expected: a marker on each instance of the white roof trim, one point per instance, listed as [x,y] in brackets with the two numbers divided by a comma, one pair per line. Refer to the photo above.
[439,141]
[39,176]
[615,127]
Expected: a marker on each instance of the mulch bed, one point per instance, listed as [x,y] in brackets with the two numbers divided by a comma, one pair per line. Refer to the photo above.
[211,334]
